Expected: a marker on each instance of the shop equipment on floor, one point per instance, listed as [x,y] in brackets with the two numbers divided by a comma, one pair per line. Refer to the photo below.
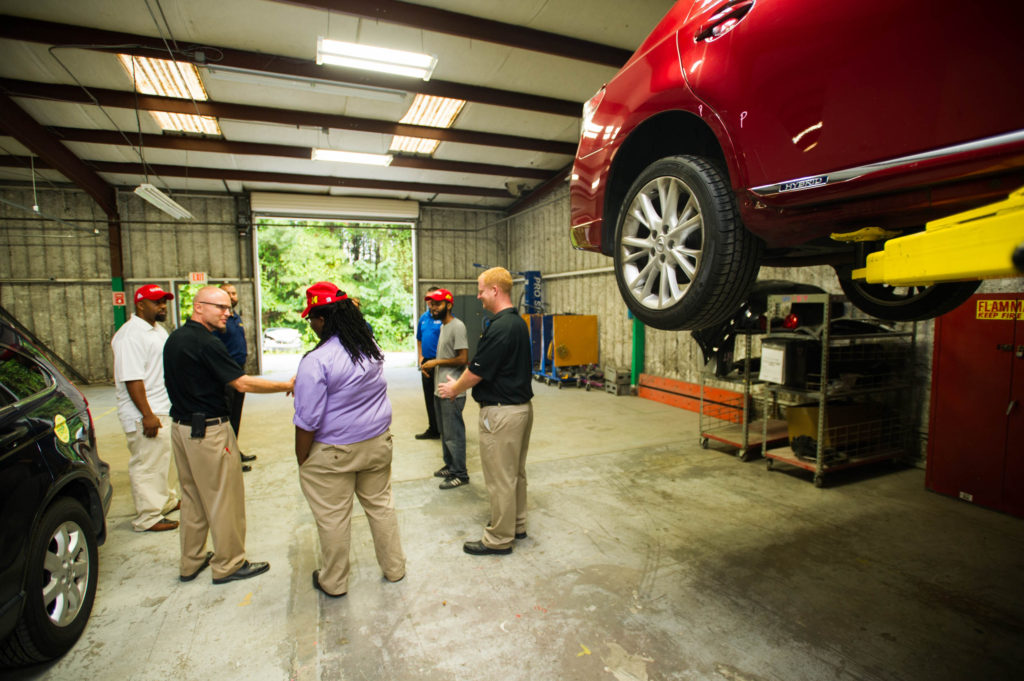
[728,417]
[568,348]
[852,380]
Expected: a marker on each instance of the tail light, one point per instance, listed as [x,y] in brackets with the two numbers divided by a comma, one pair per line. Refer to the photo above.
[791,321]
[92,426]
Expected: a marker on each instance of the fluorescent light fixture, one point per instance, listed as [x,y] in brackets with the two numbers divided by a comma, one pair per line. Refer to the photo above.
[167,78]
[352,157]
[414,145]
[367,57]
[163,202]
[164,77]
[177,122]
[436,112]
[317,85]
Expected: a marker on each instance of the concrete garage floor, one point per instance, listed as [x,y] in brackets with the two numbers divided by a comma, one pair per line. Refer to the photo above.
[648,558]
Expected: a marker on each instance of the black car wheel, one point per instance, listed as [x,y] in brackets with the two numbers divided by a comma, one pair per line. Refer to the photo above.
[683,259]
[906,303]
[60,585]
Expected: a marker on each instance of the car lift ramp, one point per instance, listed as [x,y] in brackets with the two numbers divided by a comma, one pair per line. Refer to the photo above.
[975,244]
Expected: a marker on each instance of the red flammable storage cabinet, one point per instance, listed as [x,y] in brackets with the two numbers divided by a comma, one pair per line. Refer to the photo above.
[976,433]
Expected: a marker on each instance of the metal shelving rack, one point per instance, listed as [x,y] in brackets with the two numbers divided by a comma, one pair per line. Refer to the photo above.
[728,420]
[876,426]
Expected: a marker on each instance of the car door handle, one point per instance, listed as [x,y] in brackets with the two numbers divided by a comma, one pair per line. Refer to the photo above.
[723,21]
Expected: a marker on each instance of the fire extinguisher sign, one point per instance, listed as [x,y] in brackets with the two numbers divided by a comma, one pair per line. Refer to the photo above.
[995,309]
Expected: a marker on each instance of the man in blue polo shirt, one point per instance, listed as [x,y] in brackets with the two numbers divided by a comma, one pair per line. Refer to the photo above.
[428,330]
[233,337]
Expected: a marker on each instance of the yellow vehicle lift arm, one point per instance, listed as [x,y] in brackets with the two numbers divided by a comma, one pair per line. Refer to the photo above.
[975,244]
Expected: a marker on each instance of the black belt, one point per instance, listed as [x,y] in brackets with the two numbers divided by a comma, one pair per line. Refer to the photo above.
[500,404]
[209,422]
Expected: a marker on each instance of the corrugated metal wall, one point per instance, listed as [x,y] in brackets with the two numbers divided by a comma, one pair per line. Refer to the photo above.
[55,278]
[450,241]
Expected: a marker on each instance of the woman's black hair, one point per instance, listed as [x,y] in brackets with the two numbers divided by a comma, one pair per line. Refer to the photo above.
[344,320]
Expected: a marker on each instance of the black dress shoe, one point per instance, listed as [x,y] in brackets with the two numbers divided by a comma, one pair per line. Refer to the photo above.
[206,563]
[246,468]
[246,458]
[521,535]
[478,548]
[316,585]
[429,435]
[245,572]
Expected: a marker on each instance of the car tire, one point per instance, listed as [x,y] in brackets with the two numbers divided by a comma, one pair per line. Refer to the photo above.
[692,276]
[60,586]
[906,303]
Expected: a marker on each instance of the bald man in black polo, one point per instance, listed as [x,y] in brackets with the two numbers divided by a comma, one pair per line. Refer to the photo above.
[197,367]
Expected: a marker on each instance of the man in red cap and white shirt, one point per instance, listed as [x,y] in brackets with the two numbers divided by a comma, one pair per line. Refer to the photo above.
[143,406]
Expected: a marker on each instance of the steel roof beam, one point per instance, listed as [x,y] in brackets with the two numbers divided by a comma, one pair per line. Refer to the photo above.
[474,28]
[39,140]
[220,146]
[131,100]
[278,178]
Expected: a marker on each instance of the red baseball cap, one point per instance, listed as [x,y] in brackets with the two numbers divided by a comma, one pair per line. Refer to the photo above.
[440,295]
[322,293]
[152,292]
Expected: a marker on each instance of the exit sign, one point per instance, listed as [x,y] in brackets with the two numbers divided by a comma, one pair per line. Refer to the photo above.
[197,278]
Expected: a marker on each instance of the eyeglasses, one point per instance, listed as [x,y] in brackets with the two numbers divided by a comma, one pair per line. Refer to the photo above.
[219,306]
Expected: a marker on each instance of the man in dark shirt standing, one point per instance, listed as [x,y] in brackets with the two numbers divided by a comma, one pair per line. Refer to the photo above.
[233,337]
[197,367]
[500,375]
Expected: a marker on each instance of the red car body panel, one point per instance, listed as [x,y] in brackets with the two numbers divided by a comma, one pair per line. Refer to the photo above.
[795,89]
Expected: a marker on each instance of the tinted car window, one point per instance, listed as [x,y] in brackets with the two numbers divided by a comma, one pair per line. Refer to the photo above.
[21,377]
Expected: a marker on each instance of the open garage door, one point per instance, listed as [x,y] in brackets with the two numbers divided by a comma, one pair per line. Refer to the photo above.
[266,204]
[362,244]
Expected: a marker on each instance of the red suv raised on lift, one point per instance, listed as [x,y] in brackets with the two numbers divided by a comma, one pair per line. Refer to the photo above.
[747,132]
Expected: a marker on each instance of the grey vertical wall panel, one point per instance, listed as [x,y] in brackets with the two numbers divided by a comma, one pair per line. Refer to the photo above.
[449,241]
[60,287]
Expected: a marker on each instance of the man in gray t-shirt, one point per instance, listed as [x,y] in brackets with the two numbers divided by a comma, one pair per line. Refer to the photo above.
[452,357]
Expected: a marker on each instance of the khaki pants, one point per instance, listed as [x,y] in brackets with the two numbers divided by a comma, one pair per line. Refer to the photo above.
[329,477]
[212,498]
[504,439]
[151,475]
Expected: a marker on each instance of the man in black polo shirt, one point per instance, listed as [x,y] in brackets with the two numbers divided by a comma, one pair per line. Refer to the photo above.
[197,367]
[499,375]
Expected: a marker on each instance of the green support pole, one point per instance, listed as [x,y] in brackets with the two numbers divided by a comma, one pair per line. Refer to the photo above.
[120,311]
[639,338]
[116,265]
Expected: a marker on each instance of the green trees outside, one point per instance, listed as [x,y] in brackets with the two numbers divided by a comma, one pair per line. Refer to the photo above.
[370,262]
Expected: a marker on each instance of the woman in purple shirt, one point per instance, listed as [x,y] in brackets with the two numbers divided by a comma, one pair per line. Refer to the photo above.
[342,437]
